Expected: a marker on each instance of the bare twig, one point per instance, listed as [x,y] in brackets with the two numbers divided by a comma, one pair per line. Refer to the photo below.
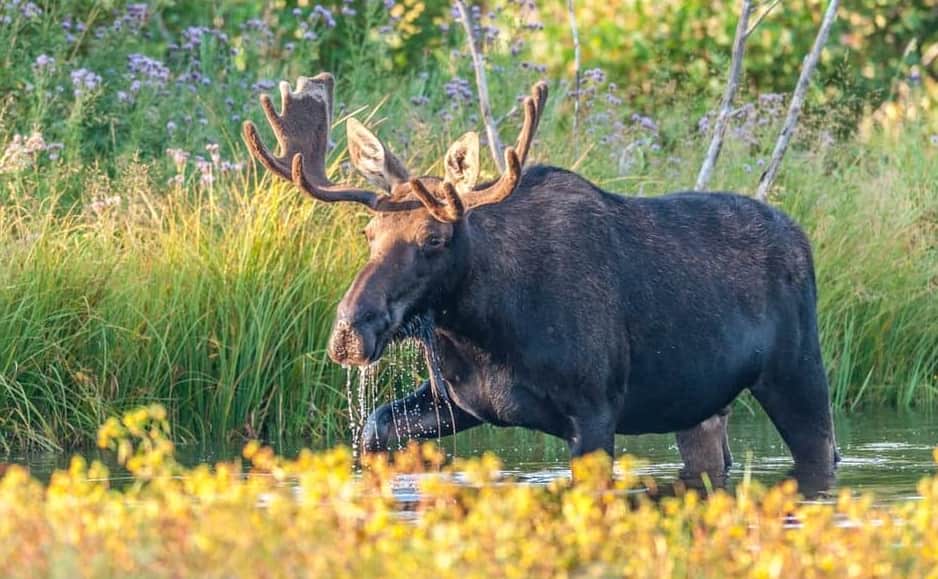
[761,17]
[511,112]
[726,106]
[797,101]
[491,132]
[576,71]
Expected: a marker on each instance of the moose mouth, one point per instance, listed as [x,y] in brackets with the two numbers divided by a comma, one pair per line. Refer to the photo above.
[347,347]
[363,346]
[418,327]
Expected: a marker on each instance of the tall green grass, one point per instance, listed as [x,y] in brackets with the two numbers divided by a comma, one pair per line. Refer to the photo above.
[220,310]
[118,286]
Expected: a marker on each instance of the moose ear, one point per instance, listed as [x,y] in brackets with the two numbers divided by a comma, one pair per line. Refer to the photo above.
[462,162]
[372,158]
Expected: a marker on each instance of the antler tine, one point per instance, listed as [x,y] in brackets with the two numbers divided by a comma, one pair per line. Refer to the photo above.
[501,189]
[331,193]
[260,152]
[514,157]
[533,109]
[450,211]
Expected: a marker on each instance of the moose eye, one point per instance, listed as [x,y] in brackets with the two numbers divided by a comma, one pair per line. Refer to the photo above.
[434,242]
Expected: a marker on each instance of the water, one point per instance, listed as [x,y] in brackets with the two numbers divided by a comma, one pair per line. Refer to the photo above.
[885,452]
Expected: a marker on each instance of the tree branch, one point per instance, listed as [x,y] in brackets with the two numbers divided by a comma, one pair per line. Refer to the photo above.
[797,102]
[726,106]
[761,17]
[491,132]
[576,70]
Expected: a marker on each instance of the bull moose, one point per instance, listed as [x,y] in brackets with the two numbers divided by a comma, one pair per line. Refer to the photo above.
[556,306]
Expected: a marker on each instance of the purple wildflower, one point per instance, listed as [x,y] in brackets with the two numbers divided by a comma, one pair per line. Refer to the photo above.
[148,70]
[179,158]
[646,123]
[263,85]
[458,90]
[23,152]
[44,63]
[84,81]
[594,75]
[30,11]
[320,11]
[206,170]
[214,152]
[53,150]
[99,206]
[137,13]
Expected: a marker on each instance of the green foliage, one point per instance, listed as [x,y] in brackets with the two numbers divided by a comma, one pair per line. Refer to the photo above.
[143,258]
[685,46]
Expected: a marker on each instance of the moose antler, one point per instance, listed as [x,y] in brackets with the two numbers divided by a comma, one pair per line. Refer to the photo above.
[514,157]
[449,212]
[302,131]
[533,110]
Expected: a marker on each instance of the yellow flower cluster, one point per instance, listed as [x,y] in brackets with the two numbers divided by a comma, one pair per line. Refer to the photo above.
[314,516]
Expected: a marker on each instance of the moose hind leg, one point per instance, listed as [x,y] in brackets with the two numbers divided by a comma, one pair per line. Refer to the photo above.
[705,448]
[796,398]
[417,416]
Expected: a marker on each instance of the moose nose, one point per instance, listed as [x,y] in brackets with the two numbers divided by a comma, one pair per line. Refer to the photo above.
[355,338]
[344,344]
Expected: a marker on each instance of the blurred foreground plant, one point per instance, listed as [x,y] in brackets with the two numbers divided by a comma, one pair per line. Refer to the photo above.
[314,515]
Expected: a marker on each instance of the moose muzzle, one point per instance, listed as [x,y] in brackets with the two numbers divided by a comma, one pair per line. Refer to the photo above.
[358,340]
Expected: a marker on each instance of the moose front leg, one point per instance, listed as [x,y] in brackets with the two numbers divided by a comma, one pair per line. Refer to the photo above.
[417,416]
[591,433]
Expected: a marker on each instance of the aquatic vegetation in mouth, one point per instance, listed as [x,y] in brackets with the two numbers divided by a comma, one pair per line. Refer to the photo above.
[313,516]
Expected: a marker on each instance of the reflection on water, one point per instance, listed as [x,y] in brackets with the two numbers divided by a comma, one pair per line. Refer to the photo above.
[884,451]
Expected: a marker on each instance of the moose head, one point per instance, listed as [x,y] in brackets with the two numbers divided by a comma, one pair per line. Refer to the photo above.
[418,235]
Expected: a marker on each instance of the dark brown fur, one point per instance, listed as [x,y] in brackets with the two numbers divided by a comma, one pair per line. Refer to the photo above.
[583,314]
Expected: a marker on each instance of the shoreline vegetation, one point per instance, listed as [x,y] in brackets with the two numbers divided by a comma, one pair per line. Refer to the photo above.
[413,516]
[143,258]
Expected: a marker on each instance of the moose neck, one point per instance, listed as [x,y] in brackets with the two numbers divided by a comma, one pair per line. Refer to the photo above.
[482,307]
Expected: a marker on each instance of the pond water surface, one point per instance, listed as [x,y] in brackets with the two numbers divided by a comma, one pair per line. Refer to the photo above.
[885,452]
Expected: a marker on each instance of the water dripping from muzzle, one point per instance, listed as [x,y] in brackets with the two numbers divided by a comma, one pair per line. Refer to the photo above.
[367,387]
[421,330]
[404,356]
[353,423]
[404,365]
[426,336]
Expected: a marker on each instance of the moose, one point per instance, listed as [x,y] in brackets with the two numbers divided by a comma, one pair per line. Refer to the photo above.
[553,305]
